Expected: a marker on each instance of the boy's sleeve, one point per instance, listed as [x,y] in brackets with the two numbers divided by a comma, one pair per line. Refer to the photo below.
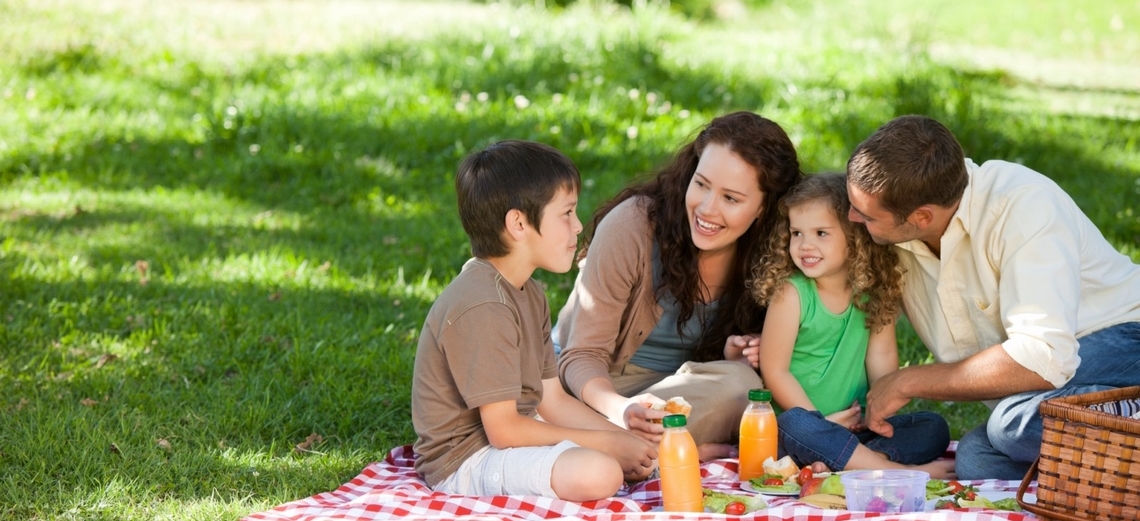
[482,350]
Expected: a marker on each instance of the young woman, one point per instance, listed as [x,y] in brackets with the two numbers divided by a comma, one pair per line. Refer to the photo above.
[662,285]
[833,298]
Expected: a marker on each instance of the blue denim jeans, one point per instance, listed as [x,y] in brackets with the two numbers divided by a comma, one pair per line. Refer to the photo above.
[808,437]
[1010,440]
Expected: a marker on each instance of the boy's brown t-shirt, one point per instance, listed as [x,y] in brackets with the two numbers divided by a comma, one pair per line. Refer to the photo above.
[483,341]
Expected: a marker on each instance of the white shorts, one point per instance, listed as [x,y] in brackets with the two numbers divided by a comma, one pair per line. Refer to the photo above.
[519,471]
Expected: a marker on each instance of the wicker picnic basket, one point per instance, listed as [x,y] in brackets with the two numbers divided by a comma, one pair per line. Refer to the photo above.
[1089,467]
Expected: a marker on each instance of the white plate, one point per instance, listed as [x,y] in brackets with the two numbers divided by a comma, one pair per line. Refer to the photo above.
[992,495]
[747,485]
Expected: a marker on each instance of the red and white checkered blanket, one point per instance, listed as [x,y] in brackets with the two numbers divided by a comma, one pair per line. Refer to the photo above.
[392,489]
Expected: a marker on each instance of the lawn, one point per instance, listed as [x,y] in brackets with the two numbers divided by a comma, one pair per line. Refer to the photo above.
[222,223]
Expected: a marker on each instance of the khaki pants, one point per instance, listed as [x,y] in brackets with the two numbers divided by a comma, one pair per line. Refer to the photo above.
[718,392]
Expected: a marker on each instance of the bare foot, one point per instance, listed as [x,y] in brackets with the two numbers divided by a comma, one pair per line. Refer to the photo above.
[939,469]
[711,451]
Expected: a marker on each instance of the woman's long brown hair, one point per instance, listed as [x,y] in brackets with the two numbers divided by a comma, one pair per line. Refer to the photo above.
[765,146]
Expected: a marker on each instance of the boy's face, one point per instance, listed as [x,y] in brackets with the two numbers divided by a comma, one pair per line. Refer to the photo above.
[554,249]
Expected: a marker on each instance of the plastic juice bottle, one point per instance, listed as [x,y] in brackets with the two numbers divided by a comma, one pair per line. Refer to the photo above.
[757,434]
[680,468]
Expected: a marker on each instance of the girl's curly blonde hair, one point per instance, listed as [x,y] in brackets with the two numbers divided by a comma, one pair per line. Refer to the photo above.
[873,270]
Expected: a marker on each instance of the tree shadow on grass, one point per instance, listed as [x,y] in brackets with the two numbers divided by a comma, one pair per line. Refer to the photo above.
[206,382]
[348,156]
[375,194]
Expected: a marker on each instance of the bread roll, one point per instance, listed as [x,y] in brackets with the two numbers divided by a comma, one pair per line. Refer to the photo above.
[785,467]
[675,405]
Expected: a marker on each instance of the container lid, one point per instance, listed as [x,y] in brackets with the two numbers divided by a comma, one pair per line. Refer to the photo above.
[674,420]
[759,395]
[884,477]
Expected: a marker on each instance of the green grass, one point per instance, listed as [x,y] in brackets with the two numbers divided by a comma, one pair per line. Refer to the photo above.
[283,170]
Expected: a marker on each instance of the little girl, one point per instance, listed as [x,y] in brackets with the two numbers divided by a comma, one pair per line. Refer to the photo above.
[833,297]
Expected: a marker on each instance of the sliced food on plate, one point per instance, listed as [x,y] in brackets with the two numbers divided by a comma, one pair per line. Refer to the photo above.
[779,478]
[953,494]
[731,504]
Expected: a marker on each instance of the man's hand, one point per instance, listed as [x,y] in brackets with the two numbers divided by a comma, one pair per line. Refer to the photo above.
[744,349]
[884,399]
[990,374]
[639,417]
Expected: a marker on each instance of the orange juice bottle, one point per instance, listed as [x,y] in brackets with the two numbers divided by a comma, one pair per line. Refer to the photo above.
[757,434]
[680,468]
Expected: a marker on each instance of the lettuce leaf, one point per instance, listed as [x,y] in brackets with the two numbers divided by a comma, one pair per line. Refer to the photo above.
[936,488]
[716,501]
[1007,504]
[788,487]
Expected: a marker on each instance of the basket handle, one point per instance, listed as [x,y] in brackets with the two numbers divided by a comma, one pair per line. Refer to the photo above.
[1025,485]
[1041,512]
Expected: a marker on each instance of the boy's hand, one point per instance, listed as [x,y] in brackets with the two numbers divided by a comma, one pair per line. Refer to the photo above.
[850,418]
[637,457]
[639,417]
[744,349]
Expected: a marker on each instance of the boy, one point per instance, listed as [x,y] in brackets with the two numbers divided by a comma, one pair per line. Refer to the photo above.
[485,366]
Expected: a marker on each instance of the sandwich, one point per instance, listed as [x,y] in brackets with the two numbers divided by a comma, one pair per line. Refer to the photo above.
[675,405]
[785,467]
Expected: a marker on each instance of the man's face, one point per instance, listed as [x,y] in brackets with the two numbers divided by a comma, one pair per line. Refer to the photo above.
[881,224]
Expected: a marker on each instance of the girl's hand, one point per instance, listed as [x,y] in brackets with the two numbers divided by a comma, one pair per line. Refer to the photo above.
[642,420]
[744,349]
[850,418]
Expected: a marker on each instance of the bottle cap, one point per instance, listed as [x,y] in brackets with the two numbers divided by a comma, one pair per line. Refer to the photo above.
[674,420]
[759,395]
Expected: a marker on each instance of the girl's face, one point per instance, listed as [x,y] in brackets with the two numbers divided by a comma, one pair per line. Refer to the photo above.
[723,199]
[818,245]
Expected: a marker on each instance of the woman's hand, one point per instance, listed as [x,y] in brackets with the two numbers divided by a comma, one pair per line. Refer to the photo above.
[642,420]
[850,418]
[744,349]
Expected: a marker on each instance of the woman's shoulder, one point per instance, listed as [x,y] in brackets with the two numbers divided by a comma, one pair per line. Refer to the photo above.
[633,207]
[631,214]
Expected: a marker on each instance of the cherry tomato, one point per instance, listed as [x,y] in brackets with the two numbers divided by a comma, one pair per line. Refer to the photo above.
[945,503]
[955,487]
[773,482]
[971,495]
[804,475]
[735,508]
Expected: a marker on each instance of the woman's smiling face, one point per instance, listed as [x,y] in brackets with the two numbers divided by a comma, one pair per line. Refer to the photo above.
[723,199]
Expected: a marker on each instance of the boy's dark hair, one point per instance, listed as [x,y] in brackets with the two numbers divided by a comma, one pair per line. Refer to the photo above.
[504,176]
[908,162]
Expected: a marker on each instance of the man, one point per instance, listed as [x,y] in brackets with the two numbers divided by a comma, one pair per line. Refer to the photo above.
[1012,288]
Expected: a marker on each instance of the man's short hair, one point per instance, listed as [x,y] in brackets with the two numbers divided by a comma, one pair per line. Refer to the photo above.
[909,162]
[506,176]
